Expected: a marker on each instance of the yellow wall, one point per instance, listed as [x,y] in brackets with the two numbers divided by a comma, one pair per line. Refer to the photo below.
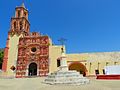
[97,60]
[12,54]
[76,57]
[54,54]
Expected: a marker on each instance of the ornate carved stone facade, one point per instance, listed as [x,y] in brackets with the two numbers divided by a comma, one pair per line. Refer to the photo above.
[33,48]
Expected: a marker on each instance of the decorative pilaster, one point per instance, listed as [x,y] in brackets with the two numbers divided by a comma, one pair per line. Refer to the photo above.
[5,58]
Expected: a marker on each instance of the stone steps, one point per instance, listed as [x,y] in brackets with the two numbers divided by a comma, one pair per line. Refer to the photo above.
[66,77]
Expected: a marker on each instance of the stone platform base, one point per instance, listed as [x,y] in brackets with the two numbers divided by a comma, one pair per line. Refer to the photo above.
[66,78]
[108,77]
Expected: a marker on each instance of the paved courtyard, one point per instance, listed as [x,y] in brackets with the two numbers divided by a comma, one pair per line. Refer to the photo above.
[36,84]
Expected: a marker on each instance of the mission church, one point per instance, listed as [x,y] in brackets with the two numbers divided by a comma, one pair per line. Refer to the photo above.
[32,54]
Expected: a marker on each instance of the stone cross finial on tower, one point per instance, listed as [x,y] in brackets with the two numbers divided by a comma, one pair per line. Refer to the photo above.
[23,5]
[62,41]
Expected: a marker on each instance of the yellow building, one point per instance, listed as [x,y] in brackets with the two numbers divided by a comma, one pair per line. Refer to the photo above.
[94,62]
[89,64]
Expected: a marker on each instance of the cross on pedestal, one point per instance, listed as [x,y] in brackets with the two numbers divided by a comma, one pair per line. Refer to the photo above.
[62,41]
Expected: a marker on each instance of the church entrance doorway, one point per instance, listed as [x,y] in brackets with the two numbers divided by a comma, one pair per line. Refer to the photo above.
[78,67]
[32,69]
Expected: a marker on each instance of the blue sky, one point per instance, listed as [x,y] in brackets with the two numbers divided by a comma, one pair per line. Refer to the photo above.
[88,25]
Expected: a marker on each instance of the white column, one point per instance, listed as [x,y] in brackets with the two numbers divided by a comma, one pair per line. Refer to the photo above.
[63,63]
[27,71]
[38,70]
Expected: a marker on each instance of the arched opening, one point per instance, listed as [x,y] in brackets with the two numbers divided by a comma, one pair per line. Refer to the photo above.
[32,69]
[78,67]
[58,62]
[15,25]
[19,13]
[21,25]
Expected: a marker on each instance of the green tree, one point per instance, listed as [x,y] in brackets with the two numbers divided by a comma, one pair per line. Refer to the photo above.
[1,58]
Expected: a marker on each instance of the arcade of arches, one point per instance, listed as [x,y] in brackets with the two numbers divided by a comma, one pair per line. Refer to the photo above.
[78,67]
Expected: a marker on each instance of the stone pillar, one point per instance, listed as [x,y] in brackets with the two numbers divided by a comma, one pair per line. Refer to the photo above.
[27,70]
[38,69]
[63,63]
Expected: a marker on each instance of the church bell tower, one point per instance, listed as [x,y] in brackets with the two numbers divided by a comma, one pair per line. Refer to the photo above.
[20,22]
[19,27]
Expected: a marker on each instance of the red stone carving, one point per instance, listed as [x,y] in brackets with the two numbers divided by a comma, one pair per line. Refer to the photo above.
[26,56]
